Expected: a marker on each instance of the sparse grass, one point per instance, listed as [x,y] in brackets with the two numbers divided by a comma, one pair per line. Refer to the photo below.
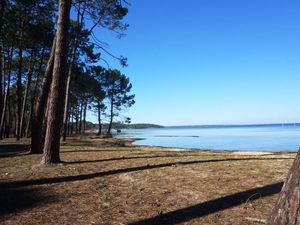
[109,181]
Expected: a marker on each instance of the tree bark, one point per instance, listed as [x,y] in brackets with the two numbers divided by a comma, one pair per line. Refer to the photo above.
[2,79]
[84,117]
[7,94]
[33,98]
[73,59]
[76,119]
[19,93]
[111,116]
[287,208]
[28,84]
[37,138]
[58,87]
[68,91]
[99,118]
[80,118]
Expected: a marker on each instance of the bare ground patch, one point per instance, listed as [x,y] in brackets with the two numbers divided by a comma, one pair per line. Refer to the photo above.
[109,181]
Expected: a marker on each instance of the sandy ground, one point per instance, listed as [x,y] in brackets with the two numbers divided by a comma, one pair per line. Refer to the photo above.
[110,181]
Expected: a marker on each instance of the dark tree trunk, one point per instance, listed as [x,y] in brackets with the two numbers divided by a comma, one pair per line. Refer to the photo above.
[33,98]
[6,96]
[72,123]
[80,119]
[58,87]
[69,123]
[9,117]
[28,84]
[19,93]
[84,118]
[2,80]
[66,107]
[99,118]
[111,116]
[287,208]
[37,138]
[76,119]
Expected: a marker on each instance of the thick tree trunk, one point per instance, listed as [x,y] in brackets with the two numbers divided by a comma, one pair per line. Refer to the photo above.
[58,87]
[19,93]
[287,208]
[37,138]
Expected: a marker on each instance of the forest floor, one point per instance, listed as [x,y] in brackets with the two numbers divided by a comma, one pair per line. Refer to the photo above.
[111,181]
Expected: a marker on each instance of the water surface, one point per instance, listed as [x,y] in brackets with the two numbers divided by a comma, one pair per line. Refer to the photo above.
[262,138]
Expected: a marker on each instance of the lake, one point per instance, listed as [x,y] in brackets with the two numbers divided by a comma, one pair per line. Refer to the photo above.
[248,138]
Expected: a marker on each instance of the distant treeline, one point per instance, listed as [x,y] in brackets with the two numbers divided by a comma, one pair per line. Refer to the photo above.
[118,126]
[138,126]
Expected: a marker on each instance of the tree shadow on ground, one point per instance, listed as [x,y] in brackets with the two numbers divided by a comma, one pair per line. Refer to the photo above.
[13,150]
[14,200]
[212,206]
[95,151]
[171,156]
[52,180]
[132,157]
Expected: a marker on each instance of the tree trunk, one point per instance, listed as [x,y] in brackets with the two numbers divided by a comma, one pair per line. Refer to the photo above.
[33,98]
[58,87]
[37,140]
[2,79]
[111,116]
[72,123]
[287,208]
[99,118]
[73,59]
[19,93]
[76,119]
[84,118]
[28,84]
[7,94]
[80,119]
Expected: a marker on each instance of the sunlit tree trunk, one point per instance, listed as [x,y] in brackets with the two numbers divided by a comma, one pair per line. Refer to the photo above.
[287,208]
[58,87]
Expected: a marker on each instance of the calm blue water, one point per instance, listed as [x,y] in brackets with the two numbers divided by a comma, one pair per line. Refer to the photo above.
[275,138]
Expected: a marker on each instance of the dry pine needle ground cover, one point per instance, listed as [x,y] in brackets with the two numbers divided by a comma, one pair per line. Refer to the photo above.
[109,181]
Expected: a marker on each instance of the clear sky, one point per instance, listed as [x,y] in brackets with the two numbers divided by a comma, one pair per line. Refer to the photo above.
[211,61]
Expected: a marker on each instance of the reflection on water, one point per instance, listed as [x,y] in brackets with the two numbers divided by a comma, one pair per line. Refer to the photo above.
[276,138]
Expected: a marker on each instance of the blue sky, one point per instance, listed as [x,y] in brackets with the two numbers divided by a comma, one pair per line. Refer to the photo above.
[211,61]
